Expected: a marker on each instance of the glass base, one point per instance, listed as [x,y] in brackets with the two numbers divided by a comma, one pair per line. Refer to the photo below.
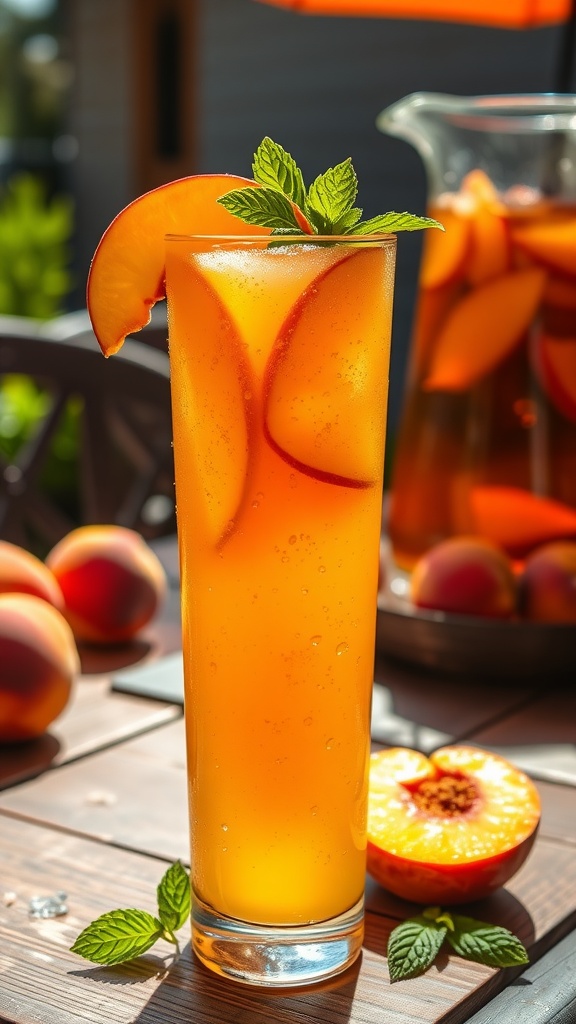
[273,955]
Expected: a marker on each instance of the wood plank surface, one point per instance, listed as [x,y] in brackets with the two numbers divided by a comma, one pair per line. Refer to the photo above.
[416,709]
[541,736]
[93,719]
[43,981]
[545,992]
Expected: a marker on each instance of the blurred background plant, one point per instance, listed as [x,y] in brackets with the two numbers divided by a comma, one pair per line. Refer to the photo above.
[35,280]
[35,233]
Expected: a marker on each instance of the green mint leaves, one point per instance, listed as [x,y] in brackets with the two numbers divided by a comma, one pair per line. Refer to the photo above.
[414,945]
[326,208]
[122,935]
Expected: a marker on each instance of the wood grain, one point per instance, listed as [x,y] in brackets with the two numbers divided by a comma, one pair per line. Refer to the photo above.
[43,981]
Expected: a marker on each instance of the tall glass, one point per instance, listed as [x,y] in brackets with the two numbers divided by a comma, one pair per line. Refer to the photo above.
[279,353]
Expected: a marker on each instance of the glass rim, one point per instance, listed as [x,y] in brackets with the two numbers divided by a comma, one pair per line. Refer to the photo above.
[498,112]
[377,238]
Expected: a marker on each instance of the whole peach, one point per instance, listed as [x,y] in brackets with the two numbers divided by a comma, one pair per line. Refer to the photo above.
[465,576]
[21,572]
[38,664]
[112,582]
[547,587]
[449,828]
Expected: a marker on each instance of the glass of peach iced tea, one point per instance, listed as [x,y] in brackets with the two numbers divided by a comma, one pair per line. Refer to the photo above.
[279,338]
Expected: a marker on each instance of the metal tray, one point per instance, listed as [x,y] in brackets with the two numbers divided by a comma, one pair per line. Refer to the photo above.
[475,646]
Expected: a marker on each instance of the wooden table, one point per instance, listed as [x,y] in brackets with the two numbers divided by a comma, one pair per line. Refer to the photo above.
[97,809]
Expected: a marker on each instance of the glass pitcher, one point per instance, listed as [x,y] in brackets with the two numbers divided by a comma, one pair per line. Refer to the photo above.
[487,436]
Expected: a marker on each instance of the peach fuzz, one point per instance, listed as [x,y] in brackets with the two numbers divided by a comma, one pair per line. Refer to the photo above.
[127,273]
[449,828]
[547,586]
[38,665]
[21,572]
[465,575]
[112,582]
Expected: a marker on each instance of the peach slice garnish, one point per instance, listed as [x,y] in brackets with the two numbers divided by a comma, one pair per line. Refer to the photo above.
[325,381]
[519,520]
[213,381]
[483,328]
[552,243]
[126,277]
[444,253]
[555,362]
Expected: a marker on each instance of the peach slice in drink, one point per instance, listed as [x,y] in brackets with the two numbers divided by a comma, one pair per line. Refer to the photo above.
[213,380]
[560,292]
[483,328]
[126,276]
[324,382]
[552,243]
[444,253]
[490,250]
[519,520]
[555,362]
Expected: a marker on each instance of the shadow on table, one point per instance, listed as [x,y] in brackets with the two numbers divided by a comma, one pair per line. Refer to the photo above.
[23,760]
[188,992]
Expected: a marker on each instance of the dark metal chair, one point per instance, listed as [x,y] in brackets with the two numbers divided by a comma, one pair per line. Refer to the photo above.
[121,428]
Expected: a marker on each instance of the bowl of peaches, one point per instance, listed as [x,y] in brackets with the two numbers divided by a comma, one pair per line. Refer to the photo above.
[467,606]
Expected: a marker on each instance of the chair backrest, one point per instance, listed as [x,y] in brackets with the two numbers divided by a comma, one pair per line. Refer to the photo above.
[116,415]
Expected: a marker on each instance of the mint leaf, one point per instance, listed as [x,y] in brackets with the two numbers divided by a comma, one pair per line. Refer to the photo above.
[118,936]
[390,223]
[174,897]
[274,167]
[328,205]
[413,946]
[486,943]
[347,221]
[331,196]
[264,207]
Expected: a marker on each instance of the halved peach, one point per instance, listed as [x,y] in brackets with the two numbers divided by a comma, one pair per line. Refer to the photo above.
[449,828]
[551,242]
[483,328]
[126,277]
[518,520]
[325,382]
[555,364]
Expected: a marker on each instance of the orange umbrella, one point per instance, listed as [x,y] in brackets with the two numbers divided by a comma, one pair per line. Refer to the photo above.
[500,13]
[507,14]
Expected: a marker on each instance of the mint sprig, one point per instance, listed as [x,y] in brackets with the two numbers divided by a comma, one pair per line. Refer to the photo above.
[414,945]
[122,935]
[325,208]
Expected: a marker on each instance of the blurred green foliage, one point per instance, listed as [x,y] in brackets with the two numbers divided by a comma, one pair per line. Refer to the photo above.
[35,235]
[35,280]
